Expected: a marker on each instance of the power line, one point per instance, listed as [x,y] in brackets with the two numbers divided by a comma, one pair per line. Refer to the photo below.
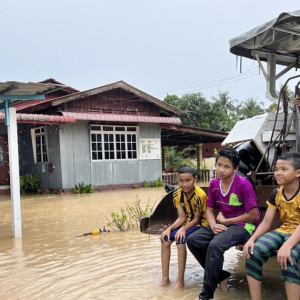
[214,82]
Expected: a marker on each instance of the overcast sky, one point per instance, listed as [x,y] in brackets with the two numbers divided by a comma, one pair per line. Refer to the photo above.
[158,46]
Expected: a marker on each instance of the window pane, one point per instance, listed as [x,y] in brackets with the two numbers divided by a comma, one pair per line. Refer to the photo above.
[93,137]
[129,146]
[123,146]
[123,155]
[128,138]
[118,155]
[106,155]
[118,146]
[129,155]
[99,155]
[111,146]
[111,137]
[117,138]
[134,154]
[93,146]
[123,137]
[131,128]
[120,128]
[99,146]
[134,146]
[37,130]
[95,127]
[105,146]
[134,138]
[105,137]
[99,138]
[108,128]
[38,158]
[45,158]
[94,155]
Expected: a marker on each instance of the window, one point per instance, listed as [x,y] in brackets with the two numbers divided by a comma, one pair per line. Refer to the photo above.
[39,144]
[113,142]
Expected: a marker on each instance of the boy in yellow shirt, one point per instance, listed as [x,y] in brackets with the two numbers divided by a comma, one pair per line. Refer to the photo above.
[190,201]
[285,239]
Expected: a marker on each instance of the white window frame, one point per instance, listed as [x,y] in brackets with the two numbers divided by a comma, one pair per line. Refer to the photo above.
[114,132]
[33,140]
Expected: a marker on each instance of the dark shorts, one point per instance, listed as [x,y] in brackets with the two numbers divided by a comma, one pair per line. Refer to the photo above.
[187,233]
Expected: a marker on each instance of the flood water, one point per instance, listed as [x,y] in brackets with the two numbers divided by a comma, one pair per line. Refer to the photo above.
[50,262]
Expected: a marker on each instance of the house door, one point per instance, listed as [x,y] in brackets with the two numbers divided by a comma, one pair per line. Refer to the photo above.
[4,164]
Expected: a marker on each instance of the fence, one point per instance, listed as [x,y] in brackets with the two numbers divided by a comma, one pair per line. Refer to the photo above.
[172,178]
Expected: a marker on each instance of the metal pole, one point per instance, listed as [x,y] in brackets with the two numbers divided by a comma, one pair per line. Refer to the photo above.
[14,173]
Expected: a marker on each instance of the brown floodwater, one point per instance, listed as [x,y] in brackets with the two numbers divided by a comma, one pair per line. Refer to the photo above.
[50,262]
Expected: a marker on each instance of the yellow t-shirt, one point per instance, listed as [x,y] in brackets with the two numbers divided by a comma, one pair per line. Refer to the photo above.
[197,204]
[289,210]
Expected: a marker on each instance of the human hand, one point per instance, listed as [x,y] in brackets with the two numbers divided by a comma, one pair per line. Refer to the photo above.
[221,219]
[180,235]
[249,244]
[218,228]
[283,255]
[167,234]
[296,102]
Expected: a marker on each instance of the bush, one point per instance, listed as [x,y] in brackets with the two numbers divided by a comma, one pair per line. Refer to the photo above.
[155,183]
[30,183]
[129,218]
[82,189]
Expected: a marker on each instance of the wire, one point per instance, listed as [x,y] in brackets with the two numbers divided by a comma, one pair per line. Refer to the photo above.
[202,85]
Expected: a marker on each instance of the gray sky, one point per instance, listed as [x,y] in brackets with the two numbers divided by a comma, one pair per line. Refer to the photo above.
[158,46]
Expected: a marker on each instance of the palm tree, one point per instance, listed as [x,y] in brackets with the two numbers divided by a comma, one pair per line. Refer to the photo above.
[225,101]
[251,107]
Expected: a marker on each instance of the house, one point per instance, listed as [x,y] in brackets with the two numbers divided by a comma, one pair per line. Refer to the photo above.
[109,135]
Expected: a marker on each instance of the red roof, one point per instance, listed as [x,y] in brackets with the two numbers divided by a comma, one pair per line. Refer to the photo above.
[40,119]
[121,118]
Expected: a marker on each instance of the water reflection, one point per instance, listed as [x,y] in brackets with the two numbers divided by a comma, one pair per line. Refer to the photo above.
[51,263]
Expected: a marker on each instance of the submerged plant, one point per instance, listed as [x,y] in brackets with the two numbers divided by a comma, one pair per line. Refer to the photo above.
[126,221]
[82,189]
[30,183]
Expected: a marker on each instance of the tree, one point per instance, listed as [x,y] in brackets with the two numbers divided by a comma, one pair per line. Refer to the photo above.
[225,101]
[251,107]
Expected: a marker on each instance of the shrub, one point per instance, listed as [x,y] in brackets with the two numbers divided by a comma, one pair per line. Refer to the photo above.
[30,183]
[125,221]
[155,183]
[82,189]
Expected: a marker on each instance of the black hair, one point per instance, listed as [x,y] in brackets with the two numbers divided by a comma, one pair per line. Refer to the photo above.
[187,169]
[293,157]
[231,154]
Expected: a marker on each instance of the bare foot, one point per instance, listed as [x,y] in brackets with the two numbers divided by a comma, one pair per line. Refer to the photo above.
[223,285]
[164,282]
[178,285]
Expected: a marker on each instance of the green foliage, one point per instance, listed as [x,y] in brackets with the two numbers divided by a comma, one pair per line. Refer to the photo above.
[82,189]
[30,183]
[178,159]
[219,114]
[155,183]
[129,219]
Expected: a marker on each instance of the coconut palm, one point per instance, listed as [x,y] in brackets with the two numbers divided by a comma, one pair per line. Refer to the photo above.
[251,107]
[226,102]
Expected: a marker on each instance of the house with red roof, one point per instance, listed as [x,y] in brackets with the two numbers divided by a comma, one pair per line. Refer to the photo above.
[106,136]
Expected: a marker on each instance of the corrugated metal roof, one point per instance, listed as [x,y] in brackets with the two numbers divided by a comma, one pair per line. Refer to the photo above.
[121,118]
[25,88]
[15,89]
[40,119]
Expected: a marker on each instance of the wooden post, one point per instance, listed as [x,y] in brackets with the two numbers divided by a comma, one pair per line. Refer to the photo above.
[12,133]
[164,156]
[199,158]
